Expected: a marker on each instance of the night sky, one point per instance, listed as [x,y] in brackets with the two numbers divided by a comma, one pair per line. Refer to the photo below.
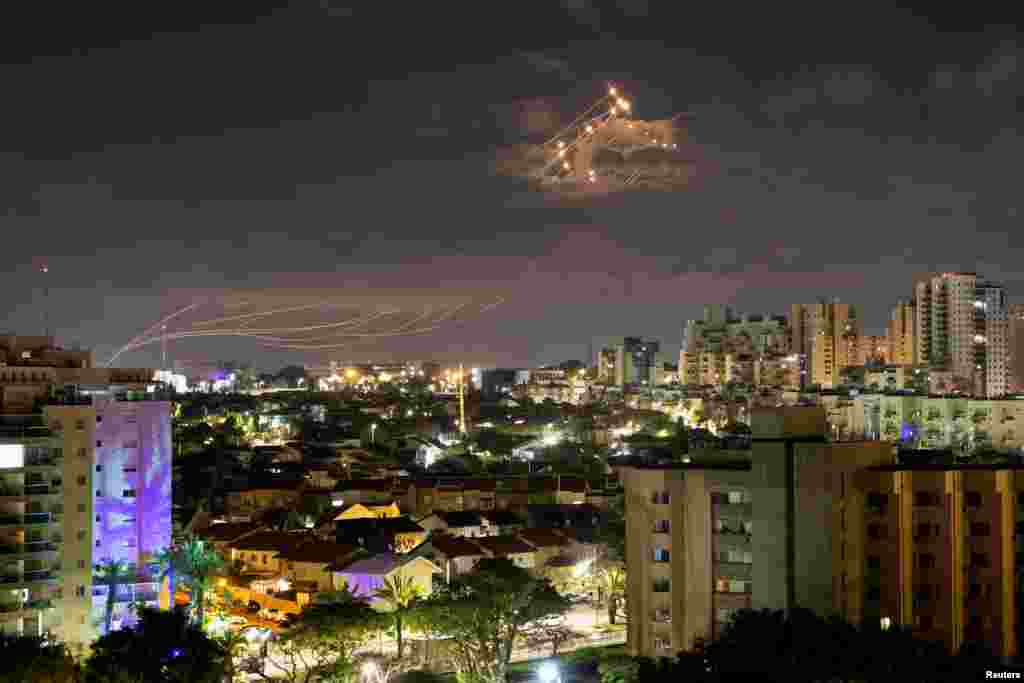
[307,150]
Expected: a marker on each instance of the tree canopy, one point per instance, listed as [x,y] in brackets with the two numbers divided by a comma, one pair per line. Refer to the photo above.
[483,613]
[163,647]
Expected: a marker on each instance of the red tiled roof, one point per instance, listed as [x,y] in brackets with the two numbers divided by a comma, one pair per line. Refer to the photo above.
[324,552]
[279,541]
[455,546]
[365,485]
[543,538]
[503,545]
[229,531]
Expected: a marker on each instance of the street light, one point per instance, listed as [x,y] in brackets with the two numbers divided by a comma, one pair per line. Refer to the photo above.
[549,673]
[373,431]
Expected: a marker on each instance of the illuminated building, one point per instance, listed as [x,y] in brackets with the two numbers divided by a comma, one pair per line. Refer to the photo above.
[933,548]
[636,362]
[962,325]
[722,348]
[1015,347]
[828,335]
[86,479]
[705,539]
[902,334]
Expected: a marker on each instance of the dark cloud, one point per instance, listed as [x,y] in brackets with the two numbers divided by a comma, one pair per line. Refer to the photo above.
[259,158]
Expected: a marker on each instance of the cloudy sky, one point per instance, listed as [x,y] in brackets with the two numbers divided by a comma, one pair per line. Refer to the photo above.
[307,149]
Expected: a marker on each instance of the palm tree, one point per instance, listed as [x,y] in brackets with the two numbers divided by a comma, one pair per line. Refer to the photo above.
[113,574]
[400,594]
[195,563]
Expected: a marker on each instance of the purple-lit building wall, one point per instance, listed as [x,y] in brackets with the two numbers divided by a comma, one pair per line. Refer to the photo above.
[132,481]
[361,585]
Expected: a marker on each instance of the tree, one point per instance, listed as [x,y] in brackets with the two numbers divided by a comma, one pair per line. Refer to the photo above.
[399,593]
[162,647]
[112,574]
[195,563]
[483,614]
[233,644]
[610,579]
[27,658]
[323,641]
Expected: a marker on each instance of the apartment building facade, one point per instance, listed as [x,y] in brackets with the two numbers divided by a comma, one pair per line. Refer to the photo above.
[962,324]
[85,475]
[901,334]
[704,540]
[934,548]
[723,348]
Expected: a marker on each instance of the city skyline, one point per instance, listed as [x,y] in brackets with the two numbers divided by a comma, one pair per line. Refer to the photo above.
[836,178]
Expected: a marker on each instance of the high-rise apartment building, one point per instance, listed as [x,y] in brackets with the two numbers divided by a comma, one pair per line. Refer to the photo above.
[828,335]
[962,326]
[1015,348]
[85,476]
[606,366]
[723,348]
[636,362]
[901,337]
[704,540]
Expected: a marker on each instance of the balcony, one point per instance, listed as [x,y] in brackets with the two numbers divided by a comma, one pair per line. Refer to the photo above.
[732,510]
[38,518]
[42,489]
[735,570]
[28,548]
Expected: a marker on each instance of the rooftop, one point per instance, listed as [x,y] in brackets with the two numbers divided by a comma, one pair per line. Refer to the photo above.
[455,546]
[229,531]
[316,551]
[504,545]
[280,541]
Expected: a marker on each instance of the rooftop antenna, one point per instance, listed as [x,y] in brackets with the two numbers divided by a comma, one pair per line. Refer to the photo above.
[44,270]
[163,344]
[462,400]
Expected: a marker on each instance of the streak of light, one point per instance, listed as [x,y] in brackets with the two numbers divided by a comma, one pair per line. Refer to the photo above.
[258,314]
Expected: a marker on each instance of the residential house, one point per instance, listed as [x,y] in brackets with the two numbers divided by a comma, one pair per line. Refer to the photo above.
[454,554]
[245,506]
[373,491]
[479,494]
[385,534]
[519,551]
[258,552]
[306,565]
[504,522]
[368,511]
[561,516]
[222,535]
[365,575]
[548,544]
[466,524]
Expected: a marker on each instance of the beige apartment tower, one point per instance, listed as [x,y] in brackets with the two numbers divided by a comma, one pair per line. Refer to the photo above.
[902,337]
[706,539]
[828,336]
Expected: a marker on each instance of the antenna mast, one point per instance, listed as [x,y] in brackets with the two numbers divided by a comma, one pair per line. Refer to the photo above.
[44,270]
[462,400]
[163,344]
